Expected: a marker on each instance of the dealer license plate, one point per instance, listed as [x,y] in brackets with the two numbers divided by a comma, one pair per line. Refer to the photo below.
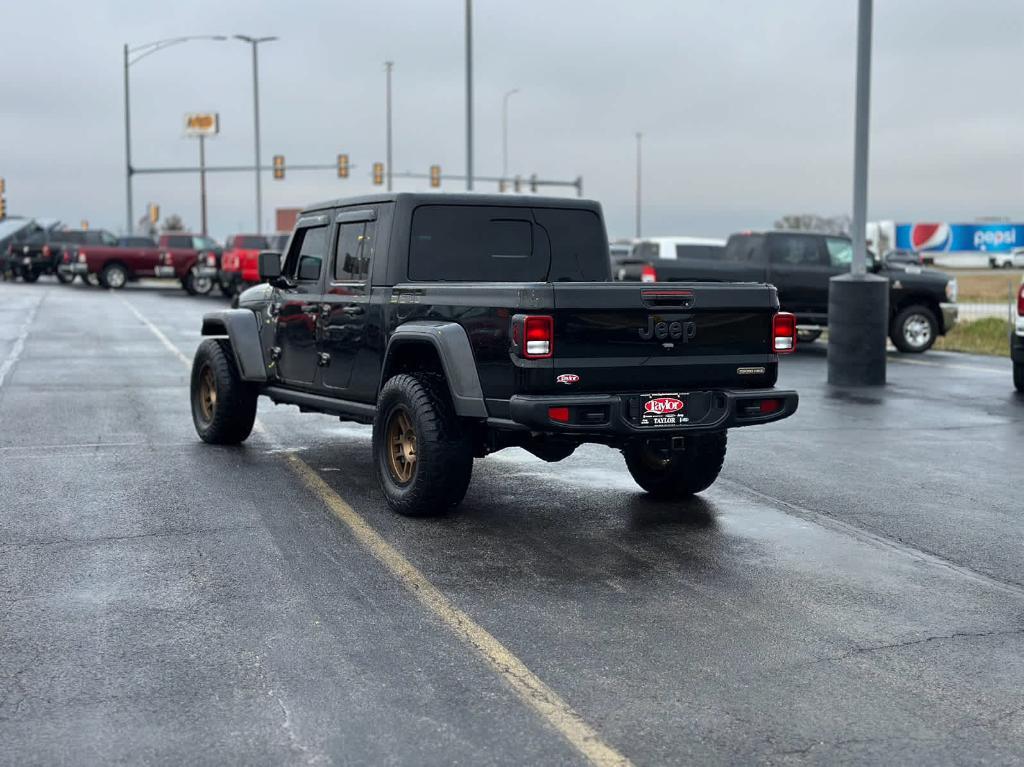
[663,410]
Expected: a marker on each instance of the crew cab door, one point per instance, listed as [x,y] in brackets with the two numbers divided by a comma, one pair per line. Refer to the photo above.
[345,306]
[800,269]
[296,308]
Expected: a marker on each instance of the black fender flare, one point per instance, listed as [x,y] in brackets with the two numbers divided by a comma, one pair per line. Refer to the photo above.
[451,343]
[242,327]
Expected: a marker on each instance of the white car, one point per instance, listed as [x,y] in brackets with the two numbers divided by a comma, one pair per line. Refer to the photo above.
[1011,260]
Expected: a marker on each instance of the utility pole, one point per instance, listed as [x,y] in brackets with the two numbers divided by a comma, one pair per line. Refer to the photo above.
[469,95]
[388,66]
[639,193]
[858,302]
[504,132]
[254,42]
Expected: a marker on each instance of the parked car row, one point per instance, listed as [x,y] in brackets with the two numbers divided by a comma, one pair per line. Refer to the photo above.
[30,249]
[922,301]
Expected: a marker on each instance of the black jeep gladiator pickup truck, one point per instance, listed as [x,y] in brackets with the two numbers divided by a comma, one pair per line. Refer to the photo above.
[459,325]
[922,302]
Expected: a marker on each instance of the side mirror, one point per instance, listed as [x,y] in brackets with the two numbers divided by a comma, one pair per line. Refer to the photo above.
[270,265]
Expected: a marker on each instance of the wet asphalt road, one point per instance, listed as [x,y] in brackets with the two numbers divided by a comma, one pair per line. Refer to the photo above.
[851,590]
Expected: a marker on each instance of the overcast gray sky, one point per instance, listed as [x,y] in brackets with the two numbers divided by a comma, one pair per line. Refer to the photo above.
[746,106]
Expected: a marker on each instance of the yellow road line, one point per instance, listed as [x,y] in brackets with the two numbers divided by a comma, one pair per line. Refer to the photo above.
[528,686]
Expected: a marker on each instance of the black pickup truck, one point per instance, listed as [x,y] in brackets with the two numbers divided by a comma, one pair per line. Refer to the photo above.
[922,302]
[459,325]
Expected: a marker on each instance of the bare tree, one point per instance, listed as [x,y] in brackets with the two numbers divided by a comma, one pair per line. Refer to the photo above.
[173,223]
[812,222]
[145,226]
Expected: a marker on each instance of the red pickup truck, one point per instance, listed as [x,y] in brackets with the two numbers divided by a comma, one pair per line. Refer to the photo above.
[239,267]
[189,258]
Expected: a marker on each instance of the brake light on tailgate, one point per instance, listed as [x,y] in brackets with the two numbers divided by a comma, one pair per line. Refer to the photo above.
[648,274]
[533,336]
[784,333]
[1020,301]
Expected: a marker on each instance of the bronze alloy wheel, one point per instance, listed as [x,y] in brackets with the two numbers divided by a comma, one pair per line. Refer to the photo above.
[401,446]
[207,394]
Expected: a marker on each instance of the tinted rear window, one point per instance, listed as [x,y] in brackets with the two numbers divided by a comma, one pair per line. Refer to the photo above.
[745,249]
[179,241]
[702,252]
[504,244]
[250,242]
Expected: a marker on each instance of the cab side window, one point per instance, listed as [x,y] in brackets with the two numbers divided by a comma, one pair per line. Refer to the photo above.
[796,250]
[353,251]
[306,255]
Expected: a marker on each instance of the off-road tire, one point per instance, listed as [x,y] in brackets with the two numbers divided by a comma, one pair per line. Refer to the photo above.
[902,339]
[64,279]
[1018,376]
[807,336]
[227,289]
[114,276]
[684,472]
[30,276]
[230,418]
[444,452]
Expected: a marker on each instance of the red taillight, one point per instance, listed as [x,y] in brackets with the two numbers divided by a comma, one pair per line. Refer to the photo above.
[211,259]
[769,406]
[538,332]
[648,274]
[560,414]
[1020,301]
[46,250]
[784,333]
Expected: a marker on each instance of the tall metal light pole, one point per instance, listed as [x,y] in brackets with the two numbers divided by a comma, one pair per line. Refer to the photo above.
[469,94]
[254,42]
[131,55]
[388,66]
[504,132]
[858,302]
[639,188]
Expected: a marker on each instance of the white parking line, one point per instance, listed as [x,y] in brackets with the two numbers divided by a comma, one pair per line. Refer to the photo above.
[19,341]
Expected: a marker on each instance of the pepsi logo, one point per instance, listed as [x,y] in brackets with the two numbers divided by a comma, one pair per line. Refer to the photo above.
[929,236]
[568,378]
[663,405]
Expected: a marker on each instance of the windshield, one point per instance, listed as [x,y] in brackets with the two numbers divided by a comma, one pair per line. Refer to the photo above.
[250,242]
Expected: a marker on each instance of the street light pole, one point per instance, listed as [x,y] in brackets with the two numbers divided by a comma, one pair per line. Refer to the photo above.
[202,180]
[388,66]
[140,52]
[504,132]
[858,302]
[639,193]
[129,222]
[254,42]
[469,95]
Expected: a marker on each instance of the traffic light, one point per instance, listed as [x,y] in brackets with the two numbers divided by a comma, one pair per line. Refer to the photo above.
[533,183]
[435,176]
[3,207]
[342,166]
[3,185]
[278,166]
[378,173]
[154,213]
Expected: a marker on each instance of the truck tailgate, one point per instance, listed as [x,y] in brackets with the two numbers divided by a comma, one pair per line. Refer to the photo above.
[663,337]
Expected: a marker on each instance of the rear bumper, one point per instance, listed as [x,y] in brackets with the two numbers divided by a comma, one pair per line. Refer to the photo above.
[207,272]
[1017,342]
[617,415]
[73,269]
